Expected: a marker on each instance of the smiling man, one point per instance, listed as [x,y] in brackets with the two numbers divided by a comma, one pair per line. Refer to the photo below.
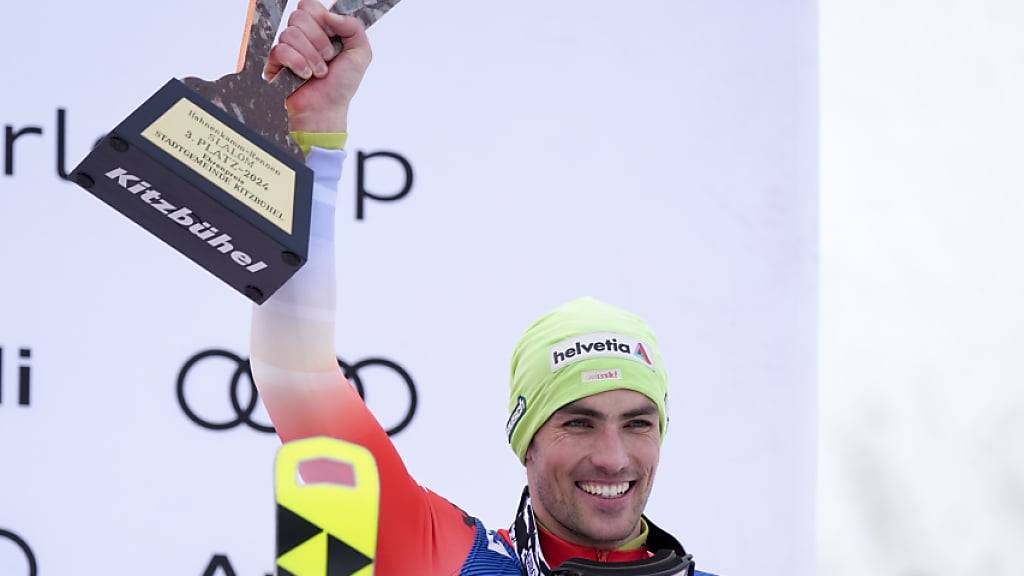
[588,388]
[591,469]
[588,414]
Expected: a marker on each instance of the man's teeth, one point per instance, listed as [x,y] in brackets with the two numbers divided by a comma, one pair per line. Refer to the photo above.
[604,490]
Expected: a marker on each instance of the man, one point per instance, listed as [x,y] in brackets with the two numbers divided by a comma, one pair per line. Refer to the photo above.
[587,410]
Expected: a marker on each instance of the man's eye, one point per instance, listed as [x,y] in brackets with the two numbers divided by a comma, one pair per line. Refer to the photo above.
[640,424]
[577,423]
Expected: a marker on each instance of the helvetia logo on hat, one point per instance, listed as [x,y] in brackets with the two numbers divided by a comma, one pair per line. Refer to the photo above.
[598,345]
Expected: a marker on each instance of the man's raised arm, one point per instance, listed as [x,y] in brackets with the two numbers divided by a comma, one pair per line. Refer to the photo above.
[293,356]
[294,361]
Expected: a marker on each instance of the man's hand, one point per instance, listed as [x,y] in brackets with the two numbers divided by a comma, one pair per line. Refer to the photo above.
[321,104]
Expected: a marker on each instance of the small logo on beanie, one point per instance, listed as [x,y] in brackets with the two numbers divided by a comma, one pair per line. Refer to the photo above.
[598,345]
[515,417]
[641,353]
[601,375]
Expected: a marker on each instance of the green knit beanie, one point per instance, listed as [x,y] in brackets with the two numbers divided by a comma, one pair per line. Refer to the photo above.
[580,349]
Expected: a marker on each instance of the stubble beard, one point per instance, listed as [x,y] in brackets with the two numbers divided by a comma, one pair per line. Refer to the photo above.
[570,512]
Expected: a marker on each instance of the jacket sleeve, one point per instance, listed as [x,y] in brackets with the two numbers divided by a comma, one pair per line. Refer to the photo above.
[295,368]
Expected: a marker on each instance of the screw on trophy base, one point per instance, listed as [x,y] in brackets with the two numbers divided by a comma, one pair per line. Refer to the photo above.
[210,169]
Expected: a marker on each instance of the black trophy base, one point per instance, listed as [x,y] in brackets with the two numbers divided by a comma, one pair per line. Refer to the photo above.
[182,206]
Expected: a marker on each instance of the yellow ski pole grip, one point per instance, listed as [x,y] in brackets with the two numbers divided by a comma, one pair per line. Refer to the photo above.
[326,526]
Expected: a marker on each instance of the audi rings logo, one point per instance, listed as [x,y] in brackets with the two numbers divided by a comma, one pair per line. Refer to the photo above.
[7,567]
[209,370]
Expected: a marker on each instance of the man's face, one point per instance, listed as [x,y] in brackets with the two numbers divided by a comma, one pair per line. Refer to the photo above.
[591,467]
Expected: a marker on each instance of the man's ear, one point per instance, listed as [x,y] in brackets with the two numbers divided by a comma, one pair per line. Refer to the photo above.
[528,457]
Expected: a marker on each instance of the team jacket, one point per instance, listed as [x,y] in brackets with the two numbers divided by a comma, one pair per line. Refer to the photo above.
[295,367]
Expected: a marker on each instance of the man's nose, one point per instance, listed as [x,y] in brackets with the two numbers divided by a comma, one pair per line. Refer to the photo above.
[609,452]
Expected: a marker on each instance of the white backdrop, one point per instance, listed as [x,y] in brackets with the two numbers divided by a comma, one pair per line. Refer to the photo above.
[922,408]
[660,157]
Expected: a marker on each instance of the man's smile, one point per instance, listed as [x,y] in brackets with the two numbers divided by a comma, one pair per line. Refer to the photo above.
[606,490]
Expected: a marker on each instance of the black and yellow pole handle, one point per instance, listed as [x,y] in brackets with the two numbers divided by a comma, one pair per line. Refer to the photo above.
[328,507]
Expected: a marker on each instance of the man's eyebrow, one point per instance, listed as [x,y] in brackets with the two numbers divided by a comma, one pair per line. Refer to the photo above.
[573,410]
[648,410]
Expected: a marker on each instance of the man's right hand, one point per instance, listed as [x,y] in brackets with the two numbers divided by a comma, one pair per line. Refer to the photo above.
[321,104]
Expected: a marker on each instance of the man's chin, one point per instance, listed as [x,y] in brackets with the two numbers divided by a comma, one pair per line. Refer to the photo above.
[609,529]
[605,537]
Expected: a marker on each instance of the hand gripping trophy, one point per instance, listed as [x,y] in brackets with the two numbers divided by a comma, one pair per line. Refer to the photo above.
[210,168]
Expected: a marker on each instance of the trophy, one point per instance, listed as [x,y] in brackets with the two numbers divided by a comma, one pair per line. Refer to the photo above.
[210,169]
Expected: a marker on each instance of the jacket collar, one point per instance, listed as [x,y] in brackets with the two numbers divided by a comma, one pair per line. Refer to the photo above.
[538,549]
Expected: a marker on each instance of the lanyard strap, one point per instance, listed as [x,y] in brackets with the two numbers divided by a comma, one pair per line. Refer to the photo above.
[526,539]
